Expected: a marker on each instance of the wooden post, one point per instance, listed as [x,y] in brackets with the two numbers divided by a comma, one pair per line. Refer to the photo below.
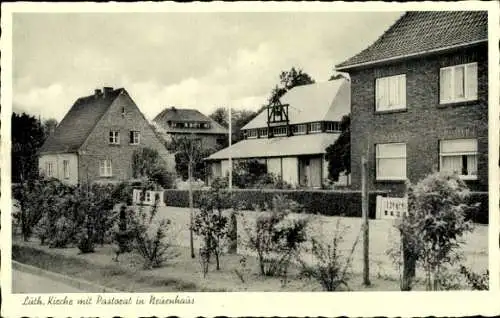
[364,209]
[233,234]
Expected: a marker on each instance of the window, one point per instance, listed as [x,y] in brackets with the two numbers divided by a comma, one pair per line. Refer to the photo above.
[66,169]
[49,169]
[300,129]
[114,137]
[458,83]
[123,112]
[459,156]
[279,131]
[332,126]
[263,132]
[252,133]
[105,169]
[135,137]
[315,127]
[391,161]
[390,93]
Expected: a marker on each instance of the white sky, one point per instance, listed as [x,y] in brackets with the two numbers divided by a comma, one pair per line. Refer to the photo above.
[199,60]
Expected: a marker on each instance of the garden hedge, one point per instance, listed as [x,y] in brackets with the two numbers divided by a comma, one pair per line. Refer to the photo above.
[325,202]
[331,203]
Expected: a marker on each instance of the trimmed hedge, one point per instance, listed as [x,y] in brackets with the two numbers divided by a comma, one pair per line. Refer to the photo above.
[324,202]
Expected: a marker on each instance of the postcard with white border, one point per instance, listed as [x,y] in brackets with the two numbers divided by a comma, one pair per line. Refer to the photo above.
[250,159]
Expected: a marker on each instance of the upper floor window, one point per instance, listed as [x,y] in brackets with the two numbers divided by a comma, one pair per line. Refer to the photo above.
[66,169]
[105,168]
[300,129]
[314,127]
[391,161]
[252,133]
[458,83]
[135,137]
[390,93]
[332,126]
[114,137]
[459,156]
[263,132]
[280,131]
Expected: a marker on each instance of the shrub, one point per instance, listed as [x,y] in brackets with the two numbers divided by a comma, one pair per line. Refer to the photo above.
[330,268]
[151,239]
[435,224]
[277,238]
[476,281]
[210,224]
[63,233]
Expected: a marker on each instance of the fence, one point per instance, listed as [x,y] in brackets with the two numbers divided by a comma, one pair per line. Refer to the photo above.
[148,198]
[391,208]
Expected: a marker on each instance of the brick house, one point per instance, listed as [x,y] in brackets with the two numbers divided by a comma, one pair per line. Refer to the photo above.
[420,100]
[96,139]
[176,122]
[291,136]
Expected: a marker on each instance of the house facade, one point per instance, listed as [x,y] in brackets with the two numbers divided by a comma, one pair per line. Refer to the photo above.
[96,140]
[420,101]
[177,122]
[290,137]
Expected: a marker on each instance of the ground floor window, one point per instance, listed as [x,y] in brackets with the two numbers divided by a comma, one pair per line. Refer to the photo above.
[66,169]
[105,168]
[459,156]
[49,169]
[391,161]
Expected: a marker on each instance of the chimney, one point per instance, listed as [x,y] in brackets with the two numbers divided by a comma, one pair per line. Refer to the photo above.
[106,90]
[97,93]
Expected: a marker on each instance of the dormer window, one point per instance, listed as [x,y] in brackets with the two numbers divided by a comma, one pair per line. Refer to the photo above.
[314,127]
[277,112]
[263,132]
[300,129]
[280,131]
[332,126]
[252,133]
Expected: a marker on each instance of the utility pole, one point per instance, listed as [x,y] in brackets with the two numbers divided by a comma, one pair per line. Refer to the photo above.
[364,209]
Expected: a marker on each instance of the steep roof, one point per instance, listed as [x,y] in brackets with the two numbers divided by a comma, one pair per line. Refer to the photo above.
[277,147]
[327,101]
[79,122]
[186,115]
[421,32]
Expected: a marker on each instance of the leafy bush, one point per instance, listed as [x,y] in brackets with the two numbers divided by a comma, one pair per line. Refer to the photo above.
[63,233]
[476,281]
[210,224]
[277,237]
[151,239]
[432,232]
[330,268]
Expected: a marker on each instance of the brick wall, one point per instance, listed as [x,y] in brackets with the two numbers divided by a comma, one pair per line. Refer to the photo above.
[424,122]
[97,145]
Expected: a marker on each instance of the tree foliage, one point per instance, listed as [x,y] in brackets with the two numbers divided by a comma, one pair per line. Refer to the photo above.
[27,137]
[338,154]
[221,116]
[189,150]
[288,80]
[147,163]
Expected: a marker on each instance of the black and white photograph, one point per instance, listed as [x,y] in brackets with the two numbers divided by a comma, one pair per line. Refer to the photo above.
[177,154]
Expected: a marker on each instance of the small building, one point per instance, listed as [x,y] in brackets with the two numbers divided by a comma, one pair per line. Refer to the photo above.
[291,136]
[177,122]
[96,139]
[420,100]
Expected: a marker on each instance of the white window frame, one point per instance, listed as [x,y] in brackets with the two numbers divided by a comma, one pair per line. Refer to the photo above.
[114,137]
[379,84]
[252,133]
[136,137]
[315,127]
[49,169]
[378,157]
[453,98]
[300,129]
[279,131]
[105,168]
[66,169]
[459,153]
[263,132]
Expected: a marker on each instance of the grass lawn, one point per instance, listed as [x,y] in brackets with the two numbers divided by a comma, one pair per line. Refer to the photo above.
[181,274]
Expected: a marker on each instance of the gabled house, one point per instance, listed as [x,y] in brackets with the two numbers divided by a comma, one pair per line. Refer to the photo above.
[96,139]
[420,100]
[176,122]
[291,135]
